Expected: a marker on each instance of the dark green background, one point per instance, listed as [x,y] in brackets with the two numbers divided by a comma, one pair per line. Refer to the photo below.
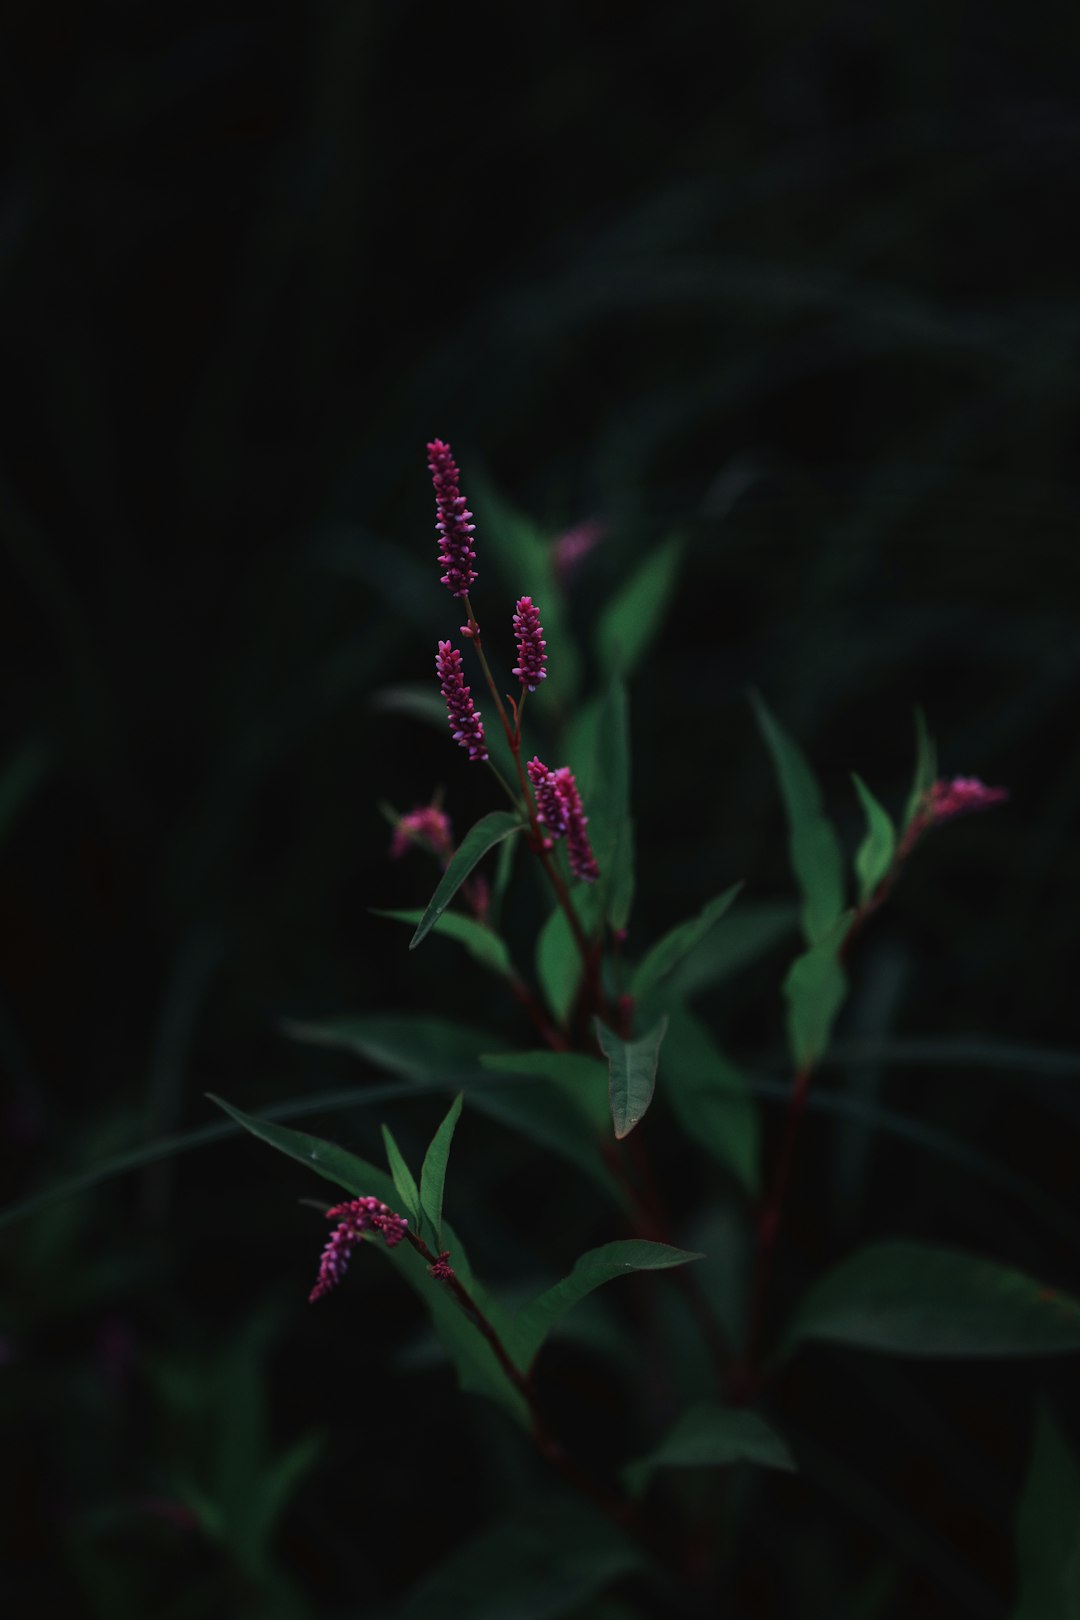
[798,281]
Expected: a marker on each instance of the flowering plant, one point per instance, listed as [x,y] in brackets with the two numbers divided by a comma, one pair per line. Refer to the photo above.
[606,1027]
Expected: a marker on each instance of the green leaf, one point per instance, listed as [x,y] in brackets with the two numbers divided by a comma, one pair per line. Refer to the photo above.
[403,1179]
[815,989]
[925,767]
[477,1367]
[1048,1530]
[816,857]
[607,804]
[535,1321]
[547,1559]
[678,943]
[875,854]
[417,1048]
[433,1170]
[420,700]
[481,942]
[582,1080]
[637,611]
[558,965]
[631,1073]
[712,1436]
[711,1098]
[737,942]
[915,1299]
[488,831]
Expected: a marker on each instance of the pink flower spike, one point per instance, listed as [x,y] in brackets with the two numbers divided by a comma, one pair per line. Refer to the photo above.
[354,1218]
[427,826]
[578,850]
[550,809]
[453,523]
[464,718]
[529,631]
[964,793]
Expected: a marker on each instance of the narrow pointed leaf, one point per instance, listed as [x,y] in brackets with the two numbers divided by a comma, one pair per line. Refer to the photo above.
[607,805]
[875,854]
[709,1435]
[816,857]
[482,943]
[326,1159]
[737,942]
[535,1321]
[416,1048]
[678,943]
[636,613]
[711,1098]
[1048,1530]
[925,766]
[488,831]
[815,990]
[631,1073]
[558,965]
[404,1182]
[582,1080]
[433,1170]
[915,1299]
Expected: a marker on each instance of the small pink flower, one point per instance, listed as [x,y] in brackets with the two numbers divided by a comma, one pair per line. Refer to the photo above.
[568,549]
[529,631]
[354,1218]
[428,826]
[442,1270]
[464,718]
[559,811]
[453,521]
[956,798]
[550,810]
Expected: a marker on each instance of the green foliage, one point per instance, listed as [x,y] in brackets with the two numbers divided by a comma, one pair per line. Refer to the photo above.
[535,1321]
[543,1560]
[708,1435]
[915,1299]
[408,1193]
[815,990]
[632,618]
[733,944]
[1048,1529]
[607,804]
[581,1079]
[487,832]
[679,943]
[926,767]
[631,1073]
[482,943]
[874,855]
[433,1170]
[711,1099]
[415,1048]
[558,965]
[816,857]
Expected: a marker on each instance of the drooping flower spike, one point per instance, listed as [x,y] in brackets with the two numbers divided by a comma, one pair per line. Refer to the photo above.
[550,809]
[559,811]
[529,631]
[453,521]
[354,1218]
[465,723]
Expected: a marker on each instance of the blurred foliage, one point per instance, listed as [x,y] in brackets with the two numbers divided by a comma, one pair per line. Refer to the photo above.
[796,284]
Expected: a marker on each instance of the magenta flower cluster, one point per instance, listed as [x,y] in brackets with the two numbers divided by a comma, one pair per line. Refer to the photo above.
[964,793]
[426,825]
[560,812]
[464,717]
[354,1218]
[453,523]
[529,631]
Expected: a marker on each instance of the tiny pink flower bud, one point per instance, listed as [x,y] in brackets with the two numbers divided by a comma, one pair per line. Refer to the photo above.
[442,1270]
[550,810]
[354,1218]
[569,548]
[956,798]
[427,826]
[464,718]
[529,631]
[578,850]
[453,523]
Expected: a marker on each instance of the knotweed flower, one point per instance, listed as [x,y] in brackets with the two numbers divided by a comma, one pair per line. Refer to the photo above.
[453,521]
[550,810]
[442,1270]
[571,547]
[464,718]
[956,798]
[529,631]
[426,825]
[354,1218]
[578,850]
